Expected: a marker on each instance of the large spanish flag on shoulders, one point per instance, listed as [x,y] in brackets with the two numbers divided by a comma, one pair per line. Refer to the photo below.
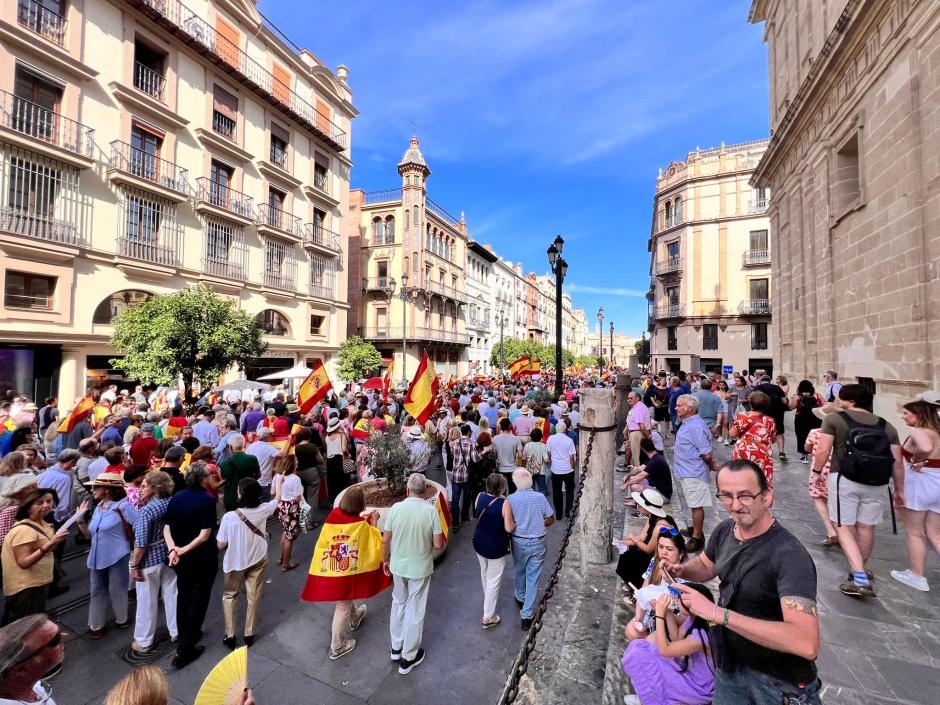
[387,380]
[82,408]
[347,561]
[532,368]
[422,394]
[518,366]
[313,389]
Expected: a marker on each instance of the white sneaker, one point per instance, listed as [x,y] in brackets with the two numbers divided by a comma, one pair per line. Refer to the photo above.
[918,582]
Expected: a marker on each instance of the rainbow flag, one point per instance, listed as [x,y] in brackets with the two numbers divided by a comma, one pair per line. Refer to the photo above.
[82,408]
[347,561]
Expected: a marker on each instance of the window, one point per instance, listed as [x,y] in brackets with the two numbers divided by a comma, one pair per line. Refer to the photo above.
[709,336]
[759,289]
[280,267]
[846,184]
[150,230]
[149,70]
[35,106]
[668,214]
[677,211]
[39,197]
[759,241]
[316,324]
[321,172]
[381,322]
[273,322]
[758,336]
[279,139]
[321,276]
[276,201]
[30,291]
[220,183]
[672,295]
[672,341]
[406,221]
[118,303]
[145,153]
[672,250]
[45,17]
[390,230]
[378,230]
[224,112]
[225,249]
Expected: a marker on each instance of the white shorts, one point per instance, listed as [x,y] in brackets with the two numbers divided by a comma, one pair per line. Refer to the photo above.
[858,503]
[922,489]
[698,493]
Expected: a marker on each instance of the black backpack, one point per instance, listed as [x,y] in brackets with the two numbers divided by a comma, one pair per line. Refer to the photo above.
[808,402]
[868,458]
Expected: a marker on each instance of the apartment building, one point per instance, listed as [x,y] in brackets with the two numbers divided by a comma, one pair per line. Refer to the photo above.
[481,297]
[852,166]
[579,330]
[146,145]
[710,256]
[412,263]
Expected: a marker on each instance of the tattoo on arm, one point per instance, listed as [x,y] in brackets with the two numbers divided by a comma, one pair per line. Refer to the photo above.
[801,604]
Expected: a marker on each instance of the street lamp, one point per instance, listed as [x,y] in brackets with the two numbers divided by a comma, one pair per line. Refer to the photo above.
[611,344]
[559,269]
[502,352]
[600,335]
[403,295]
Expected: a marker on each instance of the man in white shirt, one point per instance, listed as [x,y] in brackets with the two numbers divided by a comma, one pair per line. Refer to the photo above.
[833,385]
[563,460]
[266,454]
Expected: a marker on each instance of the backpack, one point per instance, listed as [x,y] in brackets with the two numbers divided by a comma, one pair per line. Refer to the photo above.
[807,404]
[534,464]
[868,458]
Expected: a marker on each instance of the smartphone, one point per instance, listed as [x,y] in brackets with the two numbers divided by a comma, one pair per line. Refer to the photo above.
[669,578]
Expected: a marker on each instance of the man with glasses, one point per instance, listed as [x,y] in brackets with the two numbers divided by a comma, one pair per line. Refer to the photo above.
[767,635]
[31,648]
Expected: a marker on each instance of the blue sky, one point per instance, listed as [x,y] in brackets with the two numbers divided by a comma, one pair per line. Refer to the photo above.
[544,117]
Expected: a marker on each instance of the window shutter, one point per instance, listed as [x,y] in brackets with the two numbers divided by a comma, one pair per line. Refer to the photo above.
[224,102]
[280,133]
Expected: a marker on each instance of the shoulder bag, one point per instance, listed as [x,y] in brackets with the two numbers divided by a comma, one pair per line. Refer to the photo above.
[251,525]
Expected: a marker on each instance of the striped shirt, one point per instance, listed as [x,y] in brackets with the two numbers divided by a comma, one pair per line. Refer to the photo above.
[529,511]
[148,532]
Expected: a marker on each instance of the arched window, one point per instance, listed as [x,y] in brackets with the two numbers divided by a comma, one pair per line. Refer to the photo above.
[406,220]
[117,303]
[407,261]
[414,217]
[677,211]
[668,214]
[273,322]
[390,229]
[378,230]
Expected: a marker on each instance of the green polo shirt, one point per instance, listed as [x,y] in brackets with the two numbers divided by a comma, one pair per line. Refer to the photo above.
[233,471]
[413,522]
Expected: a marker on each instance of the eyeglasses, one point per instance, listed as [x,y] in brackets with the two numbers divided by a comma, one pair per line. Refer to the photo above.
[51,644]
[663,530]
[745,498]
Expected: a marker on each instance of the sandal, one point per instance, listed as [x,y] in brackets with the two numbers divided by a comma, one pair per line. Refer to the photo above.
[492,623]
[289,566]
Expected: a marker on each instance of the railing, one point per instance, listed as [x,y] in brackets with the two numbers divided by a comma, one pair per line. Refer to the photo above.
[28,223]
[223,125]
[149,81]
[419,333]
[384,240]
[43,21]
[669,265]
[755,307]
[278,156]
[316,234]
[321,181]
[442,289]
[223,268]
[220,196]
[376,283]
[148,167]
[752,257]
[189,23]
[673,220]
[758,343]
[32,120]
[670,311]
[279,280]
[758,205]
[440,212]
[163,251]
[389,194]
[274,217]
[321,290]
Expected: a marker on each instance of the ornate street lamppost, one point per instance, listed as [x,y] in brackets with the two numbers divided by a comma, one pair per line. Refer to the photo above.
[611,344]
[559,269]
[600,335]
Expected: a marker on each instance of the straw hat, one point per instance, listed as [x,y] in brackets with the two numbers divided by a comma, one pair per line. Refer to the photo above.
[333,424]
[931,397]
[17,483]
[107,479]
[651,500]
[416,433]
[821,412]
[525,410]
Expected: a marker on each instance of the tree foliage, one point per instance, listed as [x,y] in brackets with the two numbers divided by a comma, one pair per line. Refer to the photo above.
[514,349]
[357,359]
[388,457]
[192,334]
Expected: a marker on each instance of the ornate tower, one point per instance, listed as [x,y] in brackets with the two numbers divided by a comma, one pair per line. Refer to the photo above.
[414,172]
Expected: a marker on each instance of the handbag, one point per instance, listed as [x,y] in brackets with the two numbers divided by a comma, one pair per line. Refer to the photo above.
[128,529]
[306,513]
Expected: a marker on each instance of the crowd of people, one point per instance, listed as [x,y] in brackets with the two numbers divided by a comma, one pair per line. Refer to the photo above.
[755,637]
[157,489]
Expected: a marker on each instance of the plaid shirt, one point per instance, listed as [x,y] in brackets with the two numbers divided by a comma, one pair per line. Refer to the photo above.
[148,532]
[464,451]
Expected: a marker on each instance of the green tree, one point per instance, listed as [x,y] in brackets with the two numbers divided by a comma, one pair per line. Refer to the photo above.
[193,335]
[356,359]
[586,360]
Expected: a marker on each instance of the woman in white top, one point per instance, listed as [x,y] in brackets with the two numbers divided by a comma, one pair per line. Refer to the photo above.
[288,489]
[244,538]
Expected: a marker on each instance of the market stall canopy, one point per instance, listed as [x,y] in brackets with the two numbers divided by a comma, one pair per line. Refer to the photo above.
[373,383]
[240,385]
[300,371]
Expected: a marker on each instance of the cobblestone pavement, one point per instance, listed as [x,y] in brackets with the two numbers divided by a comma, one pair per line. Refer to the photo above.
[288,663]
[879,651]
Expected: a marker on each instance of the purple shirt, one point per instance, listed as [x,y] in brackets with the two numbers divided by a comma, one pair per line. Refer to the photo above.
[250,421]
[639,414]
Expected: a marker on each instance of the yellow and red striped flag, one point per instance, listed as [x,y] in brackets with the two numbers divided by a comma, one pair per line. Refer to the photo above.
[533,368]
[347,561]
[387,380]
[282,442]
[542,425]
[313,389]
[443,511]
[82,408]
[422,394]
[518,366]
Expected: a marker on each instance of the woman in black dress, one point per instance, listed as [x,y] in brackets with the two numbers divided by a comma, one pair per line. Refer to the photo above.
[803,402]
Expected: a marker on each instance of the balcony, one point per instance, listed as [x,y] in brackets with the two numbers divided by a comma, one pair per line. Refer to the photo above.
[758,205]
[673,220]
[278,157]
[279,280]
[43,21]
[420,333]
[440,212]
[271,218]
[139,168]
[755,258]
[376,283]
[322,290]
[223,268]
[755,307]
[46,127]
[319,238]
[223,125]
[146,247]
[442,290]
[389,195]
[671,310]
[213,196]
[203,38]
[150,82]
[670,265]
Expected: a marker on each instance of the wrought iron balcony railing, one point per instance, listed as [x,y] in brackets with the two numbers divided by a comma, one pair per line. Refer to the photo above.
[149,81]
[272,216]
[756,257]
[43,21]
[223,268]
[670,311]
[32,120]
[164,250]
[758,205]
[148,167]
[670,265]
[440,212]
[220,196]
[755,307]
[279,280]
[322,290]
[389,194]
[316,235]
[376,283]
[223,125]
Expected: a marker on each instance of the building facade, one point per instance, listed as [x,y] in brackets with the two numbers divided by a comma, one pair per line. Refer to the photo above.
[412,263]
[481,296]
[146,145]
[710,289]
[853,169]
[579,331]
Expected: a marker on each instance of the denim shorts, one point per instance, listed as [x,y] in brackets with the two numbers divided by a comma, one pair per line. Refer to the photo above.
[746,686]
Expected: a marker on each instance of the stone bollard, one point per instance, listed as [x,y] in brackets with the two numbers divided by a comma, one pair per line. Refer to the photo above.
[595,517]
[621,389]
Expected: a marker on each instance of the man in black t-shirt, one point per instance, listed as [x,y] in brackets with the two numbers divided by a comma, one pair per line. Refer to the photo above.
[766,634]
[778,407]
[655,471]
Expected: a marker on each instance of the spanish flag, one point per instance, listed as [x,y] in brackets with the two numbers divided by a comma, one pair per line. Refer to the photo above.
[347,561]
[282,442]
[518,366]
[443,511]
[387,380]
[533,368]
[542,424]
[420,400]
[82,408]
[314,389]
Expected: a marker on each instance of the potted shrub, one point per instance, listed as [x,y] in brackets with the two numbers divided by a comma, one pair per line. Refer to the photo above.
[388,460]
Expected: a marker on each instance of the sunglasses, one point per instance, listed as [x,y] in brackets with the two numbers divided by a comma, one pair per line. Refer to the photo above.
[668,530]
[51,644]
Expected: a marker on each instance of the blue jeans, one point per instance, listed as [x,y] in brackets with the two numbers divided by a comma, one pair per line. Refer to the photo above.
[108,587]
[541,484]
[528,555]
[749,687]
[456,515]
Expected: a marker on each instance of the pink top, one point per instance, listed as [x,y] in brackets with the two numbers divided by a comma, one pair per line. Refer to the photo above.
[639,414]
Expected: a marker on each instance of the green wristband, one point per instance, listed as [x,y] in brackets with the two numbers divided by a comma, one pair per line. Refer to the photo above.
[724,620]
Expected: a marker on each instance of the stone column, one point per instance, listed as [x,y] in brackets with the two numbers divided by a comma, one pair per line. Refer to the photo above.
[71,378]
[621,390]
[596,513]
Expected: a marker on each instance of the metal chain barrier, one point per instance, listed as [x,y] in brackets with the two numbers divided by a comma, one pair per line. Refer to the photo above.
[521,664]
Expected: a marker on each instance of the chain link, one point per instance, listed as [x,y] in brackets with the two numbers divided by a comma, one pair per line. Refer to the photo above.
[521,664]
